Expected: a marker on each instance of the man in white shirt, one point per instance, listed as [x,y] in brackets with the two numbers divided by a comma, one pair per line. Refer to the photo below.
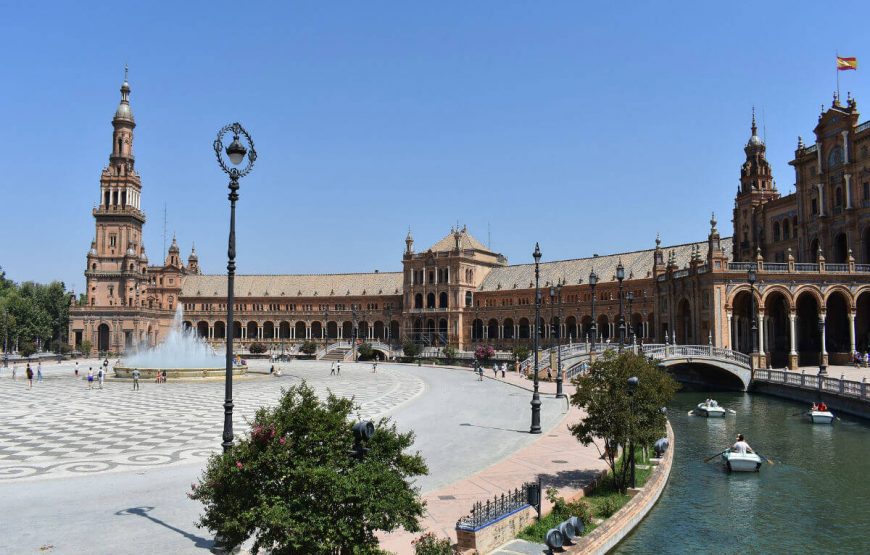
[741,446]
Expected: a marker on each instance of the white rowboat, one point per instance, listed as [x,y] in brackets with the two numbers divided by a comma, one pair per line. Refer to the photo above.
[820,416]
[710,410]
[741,462]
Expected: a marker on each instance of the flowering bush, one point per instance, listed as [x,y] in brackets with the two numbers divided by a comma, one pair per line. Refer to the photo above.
[430,544]
[484,353]
[291,485]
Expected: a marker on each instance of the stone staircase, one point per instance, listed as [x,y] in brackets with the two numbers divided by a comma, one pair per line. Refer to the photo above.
[339,354]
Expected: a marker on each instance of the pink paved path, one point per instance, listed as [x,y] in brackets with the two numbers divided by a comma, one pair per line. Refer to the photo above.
[581,465]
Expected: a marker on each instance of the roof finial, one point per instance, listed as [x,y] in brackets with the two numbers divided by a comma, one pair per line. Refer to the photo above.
[125,71]
[713,223]
[754,127]
[658,240]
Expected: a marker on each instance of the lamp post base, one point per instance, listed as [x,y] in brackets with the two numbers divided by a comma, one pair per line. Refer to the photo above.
[536,414]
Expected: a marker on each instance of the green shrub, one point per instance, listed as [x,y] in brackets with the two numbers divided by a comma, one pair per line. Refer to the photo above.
[308,347]
[450,353]
[26,349]
[520,352]
[257,348]
[410,349]
[430,544]
[86,347]
[365,352]
[609,505]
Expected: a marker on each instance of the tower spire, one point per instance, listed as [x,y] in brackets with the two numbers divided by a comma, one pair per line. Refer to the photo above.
[754,127]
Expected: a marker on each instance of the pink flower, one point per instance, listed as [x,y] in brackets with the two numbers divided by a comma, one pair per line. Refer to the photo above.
[239,464]
[283,440]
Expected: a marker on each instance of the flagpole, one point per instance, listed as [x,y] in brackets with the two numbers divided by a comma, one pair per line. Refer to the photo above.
[837,69]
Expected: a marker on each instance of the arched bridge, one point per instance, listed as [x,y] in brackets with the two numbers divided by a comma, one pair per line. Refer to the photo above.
[697,364]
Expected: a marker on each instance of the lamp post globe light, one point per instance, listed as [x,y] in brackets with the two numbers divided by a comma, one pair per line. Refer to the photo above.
[236,152]
[536,398]
[559,392]
[632,386]
[751,277]
[620,275]
[593,281]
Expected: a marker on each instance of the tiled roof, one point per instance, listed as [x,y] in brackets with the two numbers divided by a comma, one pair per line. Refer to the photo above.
[466,241]
[638,265]
[311,285]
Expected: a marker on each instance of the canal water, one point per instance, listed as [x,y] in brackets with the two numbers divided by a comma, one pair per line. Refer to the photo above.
[814,499]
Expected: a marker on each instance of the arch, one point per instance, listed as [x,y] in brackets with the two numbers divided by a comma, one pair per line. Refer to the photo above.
[442,300]
[775,289]
[862,321]
[186,325]
[469,299]
[317,330]
[284,330]
[430,300]
[418,300]
[814,249]
[837,327]
[379,330]
[477,329]
[363,329]
[786,229]
[269,330]
[776,231]
[841,248]
[492,328]
[838,197]
[442,328]
[525,329]
[571,328]
[651,325]
[237,330]
[683,329]
[430,329]
[807,327]
[637,326]
[347,330]
[741,320]
[393,335]
[603,327]
[332,329]
[866,239]
[220,330]
[508,328]
[251,330]
[202,329]
[299,329]
[103,337]
[777,327]
[418,329]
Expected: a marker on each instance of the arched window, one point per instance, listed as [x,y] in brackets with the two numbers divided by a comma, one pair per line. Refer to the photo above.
[776,231]
[430,300]
[838,197]
[418,300]
[442,300]
[786,228]
[468,298]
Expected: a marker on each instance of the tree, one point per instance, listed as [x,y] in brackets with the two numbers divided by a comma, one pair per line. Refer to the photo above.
[257,348]
[615,414]
[483,353]
[520,352]
[308,347]
[86,347]
[292,486]
[365,352]
[410,349]
[26,349]
[450,353]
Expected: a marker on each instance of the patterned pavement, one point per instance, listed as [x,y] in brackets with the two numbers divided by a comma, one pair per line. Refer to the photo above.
[60,428]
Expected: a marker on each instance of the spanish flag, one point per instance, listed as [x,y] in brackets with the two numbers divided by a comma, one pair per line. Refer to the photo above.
[845,64]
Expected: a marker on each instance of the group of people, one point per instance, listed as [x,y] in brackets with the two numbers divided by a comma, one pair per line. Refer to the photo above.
[496,367]
[28,373]
[820,406]
[861,360]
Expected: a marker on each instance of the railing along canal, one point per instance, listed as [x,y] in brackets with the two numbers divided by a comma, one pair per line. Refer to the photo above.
[814,382]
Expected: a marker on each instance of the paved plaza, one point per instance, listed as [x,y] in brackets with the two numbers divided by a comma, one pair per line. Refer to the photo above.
[107,471]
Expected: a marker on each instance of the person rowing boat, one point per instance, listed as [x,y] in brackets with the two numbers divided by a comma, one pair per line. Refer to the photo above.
[740,446]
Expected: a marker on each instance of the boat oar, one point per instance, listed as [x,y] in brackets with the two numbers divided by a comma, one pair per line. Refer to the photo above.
[801,413]
[732,411]
[711,457]
[765,459]
[691,413]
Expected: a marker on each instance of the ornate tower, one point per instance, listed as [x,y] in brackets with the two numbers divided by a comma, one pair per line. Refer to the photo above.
[116,261]
[756,188]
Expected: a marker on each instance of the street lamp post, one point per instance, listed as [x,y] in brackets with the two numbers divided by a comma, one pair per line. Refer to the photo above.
[620,275]
[593,281]
[552,326]
[536,398]
[354,315]
[632,386]
[751,277]
[390,326]
[324,334]
[236,153]
[559,392]
[630,297]
[823,368]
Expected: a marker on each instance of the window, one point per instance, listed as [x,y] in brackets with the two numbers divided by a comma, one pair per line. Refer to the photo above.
[835,157]
[838,197]
[113,240]
[814,204]
[866,191]
[776,231]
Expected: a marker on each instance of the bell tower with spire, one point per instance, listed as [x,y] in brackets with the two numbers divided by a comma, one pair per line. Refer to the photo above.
[756,188]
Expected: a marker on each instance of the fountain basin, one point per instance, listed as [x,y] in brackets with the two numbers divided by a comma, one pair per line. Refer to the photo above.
[126,372]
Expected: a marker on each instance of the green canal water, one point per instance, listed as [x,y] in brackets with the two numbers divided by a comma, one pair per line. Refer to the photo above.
[814,499]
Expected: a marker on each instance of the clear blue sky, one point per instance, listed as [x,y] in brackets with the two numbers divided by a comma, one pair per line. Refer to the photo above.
[588,129]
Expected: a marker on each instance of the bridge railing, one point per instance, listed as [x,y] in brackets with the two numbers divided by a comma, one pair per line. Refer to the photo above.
[836,386]
[662,352]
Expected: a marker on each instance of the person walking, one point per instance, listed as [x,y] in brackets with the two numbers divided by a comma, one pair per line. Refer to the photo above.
[38,371]
[495,371]
[14,372]
[332,369]
[29,373]
[549,374]
[480,373]
[503,369]
[163,376]
[90,378]
[135,379]
[374,367]
[338,369]
[100,375]
[77,369]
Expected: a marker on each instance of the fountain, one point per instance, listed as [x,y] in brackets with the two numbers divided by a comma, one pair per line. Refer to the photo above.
[182,354]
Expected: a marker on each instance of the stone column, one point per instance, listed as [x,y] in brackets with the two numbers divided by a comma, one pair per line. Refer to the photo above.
[760,330]
[821,200]
[845,135]
[730,331]
[792,354]
[851,333]
[823,317]
[848,178]
[259,331]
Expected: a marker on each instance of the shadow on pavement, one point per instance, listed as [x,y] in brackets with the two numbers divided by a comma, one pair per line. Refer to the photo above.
[143,512]
[494,428]
[569,478]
